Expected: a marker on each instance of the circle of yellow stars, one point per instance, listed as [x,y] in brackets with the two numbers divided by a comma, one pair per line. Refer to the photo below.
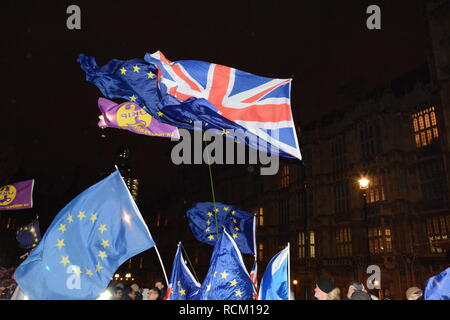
[102,254]
[211,237]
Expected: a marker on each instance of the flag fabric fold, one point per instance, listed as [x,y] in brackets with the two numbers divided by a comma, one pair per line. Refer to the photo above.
[227,277]
[85,244]
[130,116]
[275,281]
[29,236]
[220,98]
[183,285]
[238,223]
[261,105]
[17,196]
[438,286]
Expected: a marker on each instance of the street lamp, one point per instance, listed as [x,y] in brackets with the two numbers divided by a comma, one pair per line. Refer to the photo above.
[363,186]
[295,282]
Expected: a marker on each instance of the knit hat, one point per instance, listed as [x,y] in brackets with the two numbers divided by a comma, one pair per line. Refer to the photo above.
[326,285]
[360,295]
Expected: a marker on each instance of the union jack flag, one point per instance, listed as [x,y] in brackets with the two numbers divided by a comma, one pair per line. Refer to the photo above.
[254,277]
[259,104]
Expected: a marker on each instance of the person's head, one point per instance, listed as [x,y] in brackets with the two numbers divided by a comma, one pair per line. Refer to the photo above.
[334,294]
[323,288]
[360,295]
[118,293]
[159,284]
[413,293]
[352,287]
[131,293]
[135,287]
[153,294]
[144,293]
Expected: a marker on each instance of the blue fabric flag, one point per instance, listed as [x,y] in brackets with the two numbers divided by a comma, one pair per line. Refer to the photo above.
[85,244]
[227,277]
[275,281]
[183,285]
[29,236]
[137,81]
[438,287]
[238,223]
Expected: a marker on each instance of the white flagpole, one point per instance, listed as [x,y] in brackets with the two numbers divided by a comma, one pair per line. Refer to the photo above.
[162,265]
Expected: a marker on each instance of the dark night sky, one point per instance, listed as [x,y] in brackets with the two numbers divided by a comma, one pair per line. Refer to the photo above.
[49,112]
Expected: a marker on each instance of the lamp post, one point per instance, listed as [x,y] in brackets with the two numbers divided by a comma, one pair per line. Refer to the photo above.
[295,282]
[363,186]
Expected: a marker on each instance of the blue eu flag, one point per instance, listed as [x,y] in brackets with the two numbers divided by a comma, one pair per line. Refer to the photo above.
[134,80]
[28,236]
[183,285]
[238,223]
[438,287]
[85,244]
[227,277]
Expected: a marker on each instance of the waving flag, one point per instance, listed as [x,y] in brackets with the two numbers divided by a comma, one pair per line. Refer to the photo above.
[438,287]
[256,108]
[254,277]
[29,236]
[238,223]
[85,244]
[275,281]
[259,104]
[183,285]
[227,277]
[17,196]
[129,116]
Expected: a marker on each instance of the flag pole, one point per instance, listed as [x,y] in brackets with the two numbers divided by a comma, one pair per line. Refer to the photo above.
[162,265]
[289,271]
[212,190]
[189,260]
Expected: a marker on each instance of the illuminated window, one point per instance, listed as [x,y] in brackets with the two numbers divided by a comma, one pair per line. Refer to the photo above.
[344,242]
[129,264]
[285,176]
[312,245]
[158,220]
[302,243]
[425,127]
[11,223]
[375,192]
[141,263]
[438,228]
[259,213]
[260,252]
[380,240]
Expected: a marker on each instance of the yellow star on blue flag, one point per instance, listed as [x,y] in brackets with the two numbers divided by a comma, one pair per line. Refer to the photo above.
[79,262]
[232,281]
[240,224]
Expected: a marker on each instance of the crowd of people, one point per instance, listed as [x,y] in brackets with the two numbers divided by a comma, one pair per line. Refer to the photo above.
[135,292]
[325,290]
[7,283]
